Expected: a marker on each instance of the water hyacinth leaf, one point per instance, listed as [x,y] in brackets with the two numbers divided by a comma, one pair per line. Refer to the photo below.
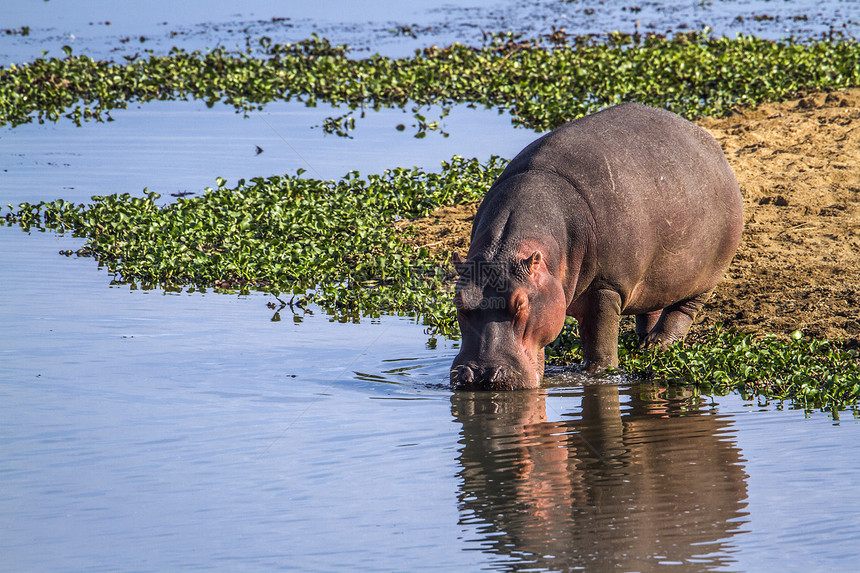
[336,239]
[809,373]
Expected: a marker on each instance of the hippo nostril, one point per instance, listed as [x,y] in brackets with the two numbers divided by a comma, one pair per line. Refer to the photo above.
[467,375]
[464,375]
[495,373]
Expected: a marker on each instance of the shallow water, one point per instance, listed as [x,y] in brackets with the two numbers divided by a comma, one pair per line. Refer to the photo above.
[176,147]
[167,431]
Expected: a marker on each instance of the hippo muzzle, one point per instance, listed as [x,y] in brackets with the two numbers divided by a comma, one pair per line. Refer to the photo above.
[472,376]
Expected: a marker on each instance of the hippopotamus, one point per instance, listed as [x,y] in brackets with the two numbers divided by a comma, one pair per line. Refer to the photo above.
[629,211]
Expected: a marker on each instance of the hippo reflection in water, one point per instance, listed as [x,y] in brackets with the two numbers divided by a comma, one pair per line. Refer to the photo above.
[620,485]
[632,210]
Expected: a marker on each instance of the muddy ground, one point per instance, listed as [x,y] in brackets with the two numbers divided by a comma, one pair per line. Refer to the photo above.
[798,266]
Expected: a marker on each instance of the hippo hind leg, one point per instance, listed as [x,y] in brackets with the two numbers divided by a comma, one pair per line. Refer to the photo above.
[673,323]
[645,323]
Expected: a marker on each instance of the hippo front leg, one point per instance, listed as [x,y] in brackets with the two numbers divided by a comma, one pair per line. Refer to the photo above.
[675,322]
[599,319]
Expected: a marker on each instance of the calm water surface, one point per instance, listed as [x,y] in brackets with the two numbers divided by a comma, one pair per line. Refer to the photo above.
[152,431]
[171,431]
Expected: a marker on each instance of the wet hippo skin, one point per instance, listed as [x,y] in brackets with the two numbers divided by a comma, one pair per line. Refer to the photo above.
[631,210]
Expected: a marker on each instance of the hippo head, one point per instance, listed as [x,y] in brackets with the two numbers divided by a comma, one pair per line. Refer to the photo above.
[508,310]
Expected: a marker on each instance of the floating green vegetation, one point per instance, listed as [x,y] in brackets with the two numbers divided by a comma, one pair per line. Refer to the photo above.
[335,241]
[809,373]
[542,87]
[332,241]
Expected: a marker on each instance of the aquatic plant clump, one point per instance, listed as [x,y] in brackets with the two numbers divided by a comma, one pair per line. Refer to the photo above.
[809,373]
[333,241]
[542,87]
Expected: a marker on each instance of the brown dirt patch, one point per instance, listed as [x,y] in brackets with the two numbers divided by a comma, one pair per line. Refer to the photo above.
[798,266]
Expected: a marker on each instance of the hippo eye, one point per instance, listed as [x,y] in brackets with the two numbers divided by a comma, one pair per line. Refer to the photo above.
[518,304]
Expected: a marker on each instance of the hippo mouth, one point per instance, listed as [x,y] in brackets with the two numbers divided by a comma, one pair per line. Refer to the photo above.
[472,376]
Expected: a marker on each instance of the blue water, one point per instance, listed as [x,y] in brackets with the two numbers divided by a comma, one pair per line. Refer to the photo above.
[144,430]
[175,147]
[153,431]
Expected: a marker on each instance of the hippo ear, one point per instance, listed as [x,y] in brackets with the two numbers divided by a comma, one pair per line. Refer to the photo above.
[459,263]
[532,263]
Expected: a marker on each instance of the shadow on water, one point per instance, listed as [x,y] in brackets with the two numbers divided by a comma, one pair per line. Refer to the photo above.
[634,480]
